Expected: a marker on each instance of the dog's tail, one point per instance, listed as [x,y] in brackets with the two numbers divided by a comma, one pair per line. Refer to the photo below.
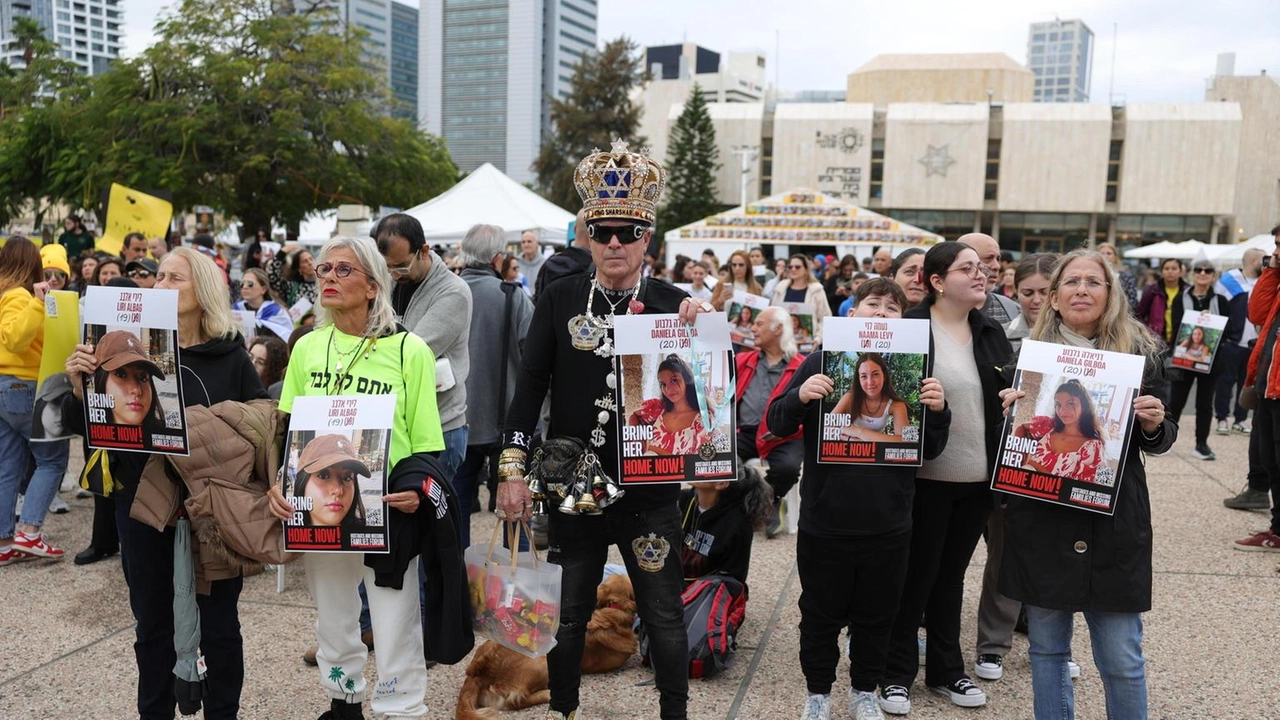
[469,697]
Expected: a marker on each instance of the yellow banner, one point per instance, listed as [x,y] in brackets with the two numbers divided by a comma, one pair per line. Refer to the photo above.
[129,211]
[61,333]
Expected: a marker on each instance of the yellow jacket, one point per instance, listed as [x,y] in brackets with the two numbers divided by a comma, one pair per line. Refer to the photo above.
[21,334]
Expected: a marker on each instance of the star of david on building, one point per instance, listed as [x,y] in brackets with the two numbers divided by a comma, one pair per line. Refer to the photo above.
[936,161]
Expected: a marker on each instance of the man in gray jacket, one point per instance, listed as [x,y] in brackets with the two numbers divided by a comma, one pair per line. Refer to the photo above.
[499,323]
[435,305]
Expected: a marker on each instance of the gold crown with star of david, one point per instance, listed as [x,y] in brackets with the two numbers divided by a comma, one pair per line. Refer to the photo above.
[619,184]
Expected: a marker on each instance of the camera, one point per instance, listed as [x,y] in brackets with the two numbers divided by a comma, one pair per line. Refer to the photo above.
[1269,261]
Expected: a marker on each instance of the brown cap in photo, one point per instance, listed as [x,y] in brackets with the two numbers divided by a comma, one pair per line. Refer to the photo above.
[328,450]
[120,348]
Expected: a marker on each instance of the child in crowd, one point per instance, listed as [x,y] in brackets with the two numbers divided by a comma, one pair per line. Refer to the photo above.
[855,531]
[718,521]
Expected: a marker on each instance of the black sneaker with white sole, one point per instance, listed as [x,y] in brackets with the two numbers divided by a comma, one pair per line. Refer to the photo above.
[962,693]
[894,699]
[1202,452]
[989,667]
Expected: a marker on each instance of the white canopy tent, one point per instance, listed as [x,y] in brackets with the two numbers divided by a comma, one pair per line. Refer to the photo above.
[1234,254]
[1186,250]
[489,196]
[797,219]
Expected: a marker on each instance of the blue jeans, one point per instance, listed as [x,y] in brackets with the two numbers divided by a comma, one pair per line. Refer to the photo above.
[1117,651]
[455,449]
[17,404]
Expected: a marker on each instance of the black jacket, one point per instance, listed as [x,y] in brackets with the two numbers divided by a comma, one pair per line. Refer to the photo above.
[718,539]
[1065,558]
[845,500]
[1214,303]
[433,533]
[569,261]
[991,353]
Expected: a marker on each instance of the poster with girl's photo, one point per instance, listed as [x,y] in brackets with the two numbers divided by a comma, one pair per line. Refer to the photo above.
[133,400]
[802,325]
[61,334]
[335,473]
[874,416]
[675,399]
[742,311]
[1063,442]
[1197,341]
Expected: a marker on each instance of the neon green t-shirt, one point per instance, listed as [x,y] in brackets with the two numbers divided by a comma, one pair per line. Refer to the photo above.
[399,364]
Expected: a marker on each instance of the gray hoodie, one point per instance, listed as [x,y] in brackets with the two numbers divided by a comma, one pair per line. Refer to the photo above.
[440,313]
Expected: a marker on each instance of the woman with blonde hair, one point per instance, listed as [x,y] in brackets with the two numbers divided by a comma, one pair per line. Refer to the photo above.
[741,278]
[356,349]
[214,368]
[255,296]
[1059,560]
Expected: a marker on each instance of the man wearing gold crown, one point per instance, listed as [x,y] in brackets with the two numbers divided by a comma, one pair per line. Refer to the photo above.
[569,351]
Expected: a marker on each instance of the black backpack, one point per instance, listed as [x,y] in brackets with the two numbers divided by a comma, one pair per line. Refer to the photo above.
[714,608]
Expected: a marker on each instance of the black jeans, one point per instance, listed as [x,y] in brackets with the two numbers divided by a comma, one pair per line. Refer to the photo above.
[580,546]
[1235,364]
[784,460]
[1266,425]
[854,582]
[105,537]
[148,565]
[947,520]
[1205,386]
[1257,477]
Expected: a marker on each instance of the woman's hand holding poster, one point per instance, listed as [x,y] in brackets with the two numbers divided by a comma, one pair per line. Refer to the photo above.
[1197,341]
[336,473]
[133,400]
[1064,441]
[675,399]
[874,415]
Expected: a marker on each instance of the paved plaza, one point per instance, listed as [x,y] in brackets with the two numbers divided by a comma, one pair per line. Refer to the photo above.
[66,647]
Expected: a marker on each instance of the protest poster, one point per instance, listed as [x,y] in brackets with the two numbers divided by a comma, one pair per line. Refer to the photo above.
[133,401]
[1064,441]
[130,211]
[299,310]
[742,311]
[248,322]
[1197,341]
[802,325]
[874,415]
[675,399]
[61,334]
[336,473]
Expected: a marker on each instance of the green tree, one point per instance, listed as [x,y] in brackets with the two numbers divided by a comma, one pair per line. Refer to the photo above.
[265,115]
[597,111]
[692,162]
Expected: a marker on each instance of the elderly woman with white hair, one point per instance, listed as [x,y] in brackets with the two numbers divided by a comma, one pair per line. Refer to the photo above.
[356,346]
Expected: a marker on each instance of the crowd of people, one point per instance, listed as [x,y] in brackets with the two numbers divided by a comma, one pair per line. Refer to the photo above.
[492,351]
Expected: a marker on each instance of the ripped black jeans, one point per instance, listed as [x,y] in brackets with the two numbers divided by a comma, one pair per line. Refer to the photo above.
[580,546]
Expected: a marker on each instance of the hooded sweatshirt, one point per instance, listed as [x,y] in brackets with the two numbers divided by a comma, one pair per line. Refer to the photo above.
[846,500]
[716,540]
[211,372]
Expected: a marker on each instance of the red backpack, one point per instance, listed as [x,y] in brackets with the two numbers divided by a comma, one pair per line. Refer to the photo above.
[714,608]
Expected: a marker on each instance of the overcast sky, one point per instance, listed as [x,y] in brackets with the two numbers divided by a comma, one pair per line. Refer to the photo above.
[1166,48]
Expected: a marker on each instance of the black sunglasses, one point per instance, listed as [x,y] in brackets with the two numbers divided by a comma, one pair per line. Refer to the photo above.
[626,233]
[140,273]
[1203,271]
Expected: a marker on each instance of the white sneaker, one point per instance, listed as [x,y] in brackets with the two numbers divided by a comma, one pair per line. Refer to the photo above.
[1073,669]
[1223,428]
[58,506]
[817,707]
[894,699]
[863,706]
[989,667]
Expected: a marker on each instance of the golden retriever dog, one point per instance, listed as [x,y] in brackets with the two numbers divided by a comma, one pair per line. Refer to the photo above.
[502,679]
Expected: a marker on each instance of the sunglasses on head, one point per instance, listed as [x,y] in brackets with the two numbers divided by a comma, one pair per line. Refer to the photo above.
[627,232]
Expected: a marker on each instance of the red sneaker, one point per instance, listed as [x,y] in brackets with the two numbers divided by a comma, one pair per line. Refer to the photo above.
[1265,540]
[37,547]
[11,556]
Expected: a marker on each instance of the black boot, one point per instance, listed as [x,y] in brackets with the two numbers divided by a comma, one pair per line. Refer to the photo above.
[340,710]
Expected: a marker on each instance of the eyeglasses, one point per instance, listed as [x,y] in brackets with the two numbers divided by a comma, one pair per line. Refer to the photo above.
[139,273]
[973,271]
[343,270]
[1203,271]
[627,233]
[1090,284]
[401,270]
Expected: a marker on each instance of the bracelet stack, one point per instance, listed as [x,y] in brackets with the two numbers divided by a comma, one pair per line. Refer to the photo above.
[511,463]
